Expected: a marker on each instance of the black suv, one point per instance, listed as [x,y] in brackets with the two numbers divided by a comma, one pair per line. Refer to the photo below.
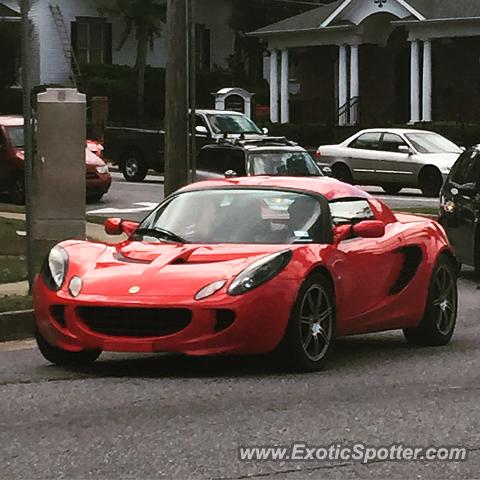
[266,156]
[460,207]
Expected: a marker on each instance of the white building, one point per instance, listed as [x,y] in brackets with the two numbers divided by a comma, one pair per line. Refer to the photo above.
[95,38]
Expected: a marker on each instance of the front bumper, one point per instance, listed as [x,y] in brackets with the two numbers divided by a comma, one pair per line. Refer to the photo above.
[98,185]
[260,319]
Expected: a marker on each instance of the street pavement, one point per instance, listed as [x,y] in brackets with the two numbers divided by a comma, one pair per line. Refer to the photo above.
[140,416]
[133,201]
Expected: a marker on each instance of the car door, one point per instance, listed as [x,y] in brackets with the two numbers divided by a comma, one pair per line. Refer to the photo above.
[6,163]
[366,268]
[464,188]
[393,166]
[361,156]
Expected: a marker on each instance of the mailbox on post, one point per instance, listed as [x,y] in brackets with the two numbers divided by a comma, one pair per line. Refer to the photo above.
[58,202]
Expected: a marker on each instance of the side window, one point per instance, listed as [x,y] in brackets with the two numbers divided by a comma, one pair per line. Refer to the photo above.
[219,160]
[350,210]
[391,142]
[367,141]
[467,169]
[200,121]
[204,160]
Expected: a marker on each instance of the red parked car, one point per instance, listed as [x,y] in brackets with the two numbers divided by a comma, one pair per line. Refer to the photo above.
[247,266]
[12,165]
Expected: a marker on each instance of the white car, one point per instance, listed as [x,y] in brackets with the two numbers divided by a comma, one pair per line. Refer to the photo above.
[392,159]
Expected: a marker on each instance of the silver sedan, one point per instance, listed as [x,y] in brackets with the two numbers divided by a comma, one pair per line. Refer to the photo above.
[393,159]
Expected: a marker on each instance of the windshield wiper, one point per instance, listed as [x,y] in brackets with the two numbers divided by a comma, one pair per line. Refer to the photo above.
[158,232]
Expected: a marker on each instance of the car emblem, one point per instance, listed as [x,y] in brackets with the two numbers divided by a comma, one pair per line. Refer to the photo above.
[134,290]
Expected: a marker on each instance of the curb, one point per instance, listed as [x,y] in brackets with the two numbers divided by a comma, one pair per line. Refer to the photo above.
[16,325]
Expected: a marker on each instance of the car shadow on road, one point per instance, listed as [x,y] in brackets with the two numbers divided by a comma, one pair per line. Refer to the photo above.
[351,354]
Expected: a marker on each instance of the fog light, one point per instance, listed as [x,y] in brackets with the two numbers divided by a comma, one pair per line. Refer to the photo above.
[75,286]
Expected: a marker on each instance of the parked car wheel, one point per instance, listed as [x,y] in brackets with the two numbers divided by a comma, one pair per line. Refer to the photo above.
[310,333]
[391,189]
[62,357]
[438,323]
[342,172]
[17,189]
[95,198]
[430,182]
[133,166]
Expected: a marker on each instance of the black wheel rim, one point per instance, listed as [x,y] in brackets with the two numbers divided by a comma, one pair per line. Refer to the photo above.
[131,167]
[316,323]
[445,300]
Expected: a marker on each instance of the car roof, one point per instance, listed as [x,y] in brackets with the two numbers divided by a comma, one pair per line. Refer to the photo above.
[11,120]
[399,131]
[219,112]
[330,188]
[255,147]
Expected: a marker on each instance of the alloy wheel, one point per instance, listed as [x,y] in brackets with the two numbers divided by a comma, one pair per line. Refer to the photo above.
[444,303]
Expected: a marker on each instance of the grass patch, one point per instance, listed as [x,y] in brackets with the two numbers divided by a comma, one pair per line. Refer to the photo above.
[15,303]
[10,242]
[13,269]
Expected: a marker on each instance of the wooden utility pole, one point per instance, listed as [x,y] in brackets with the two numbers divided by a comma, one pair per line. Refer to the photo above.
[176,124]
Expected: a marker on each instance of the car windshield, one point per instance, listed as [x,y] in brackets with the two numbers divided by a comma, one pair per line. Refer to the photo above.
[234,216]
[293,164]
[233,124]
[432,143]
[15,134]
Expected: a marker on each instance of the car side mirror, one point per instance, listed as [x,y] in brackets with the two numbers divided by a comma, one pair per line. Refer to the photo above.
[405,149]
[327,171]
[117,226]
[265,131]
[369,229]
[201,130]
[341,232]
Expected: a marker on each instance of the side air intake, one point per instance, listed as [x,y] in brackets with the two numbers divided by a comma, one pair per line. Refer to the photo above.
[413,257]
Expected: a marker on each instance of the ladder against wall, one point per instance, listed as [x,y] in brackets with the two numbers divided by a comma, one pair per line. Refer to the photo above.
[66,42]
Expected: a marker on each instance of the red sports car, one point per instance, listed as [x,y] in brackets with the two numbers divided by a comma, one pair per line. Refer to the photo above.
[248,266]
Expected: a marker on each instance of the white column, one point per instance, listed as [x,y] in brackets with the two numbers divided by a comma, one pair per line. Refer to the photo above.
[342,83]
[284,94]
[427,81]
[274,86]
[354,84]
[414,81]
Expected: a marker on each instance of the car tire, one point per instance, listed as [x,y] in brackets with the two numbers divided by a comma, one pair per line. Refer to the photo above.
[391,189]
[430,182]
[95,198]
[341,172]
[16,191]
[439,320]
[63,358]
[310,333]
[133,166]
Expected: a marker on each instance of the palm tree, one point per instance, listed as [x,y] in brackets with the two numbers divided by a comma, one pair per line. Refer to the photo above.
[144,19]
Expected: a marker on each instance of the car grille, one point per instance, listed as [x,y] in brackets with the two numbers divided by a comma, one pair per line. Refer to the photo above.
[135,322]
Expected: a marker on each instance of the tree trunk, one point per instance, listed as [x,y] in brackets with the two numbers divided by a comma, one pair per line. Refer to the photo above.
[140,66]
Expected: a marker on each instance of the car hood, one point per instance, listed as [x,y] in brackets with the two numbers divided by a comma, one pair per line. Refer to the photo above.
[439,159]
[159,269]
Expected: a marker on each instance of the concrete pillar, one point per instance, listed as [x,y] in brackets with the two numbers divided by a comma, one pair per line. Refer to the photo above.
[414,81]
[274,86]
[58,204]
[342,84]
[354,85]
[427,81]
[284,95]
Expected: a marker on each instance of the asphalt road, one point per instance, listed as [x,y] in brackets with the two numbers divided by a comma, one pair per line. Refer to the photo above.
[137,416]
[133,201]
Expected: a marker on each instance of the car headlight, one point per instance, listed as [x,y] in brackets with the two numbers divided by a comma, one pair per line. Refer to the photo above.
[55,267]
[102,170]
[210,289]
[260,272]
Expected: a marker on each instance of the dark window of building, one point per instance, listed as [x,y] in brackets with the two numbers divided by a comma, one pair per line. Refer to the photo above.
[92,40]
[367,141]
[202,47]
[350,211]
[391,142]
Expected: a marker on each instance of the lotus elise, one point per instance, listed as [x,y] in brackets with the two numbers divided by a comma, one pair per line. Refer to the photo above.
[249,266]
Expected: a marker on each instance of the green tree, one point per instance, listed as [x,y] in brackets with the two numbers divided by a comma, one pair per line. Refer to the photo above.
[143,18]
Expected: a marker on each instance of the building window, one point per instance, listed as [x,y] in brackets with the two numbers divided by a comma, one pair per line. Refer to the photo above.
[202,47]
[92,40]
